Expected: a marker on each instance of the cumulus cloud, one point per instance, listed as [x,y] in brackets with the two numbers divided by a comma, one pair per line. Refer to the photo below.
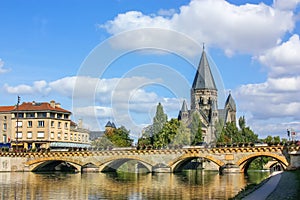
[286,5]
[246,28]
[121,99]
[38,87]
[283,60]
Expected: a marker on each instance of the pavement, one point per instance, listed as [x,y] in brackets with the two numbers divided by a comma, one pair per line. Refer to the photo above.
[266,189]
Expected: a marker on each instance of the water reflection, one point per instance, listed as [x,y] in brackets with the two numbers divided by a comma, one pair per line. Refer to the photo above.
[191,184]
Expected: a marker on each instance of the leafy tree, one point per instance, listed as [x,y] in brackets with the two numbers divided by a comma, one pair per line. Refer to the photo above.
[159,120]
[167,134]
[196,128]
[120,137]
[182,136]
[102,142]
[246,134]
[219,127]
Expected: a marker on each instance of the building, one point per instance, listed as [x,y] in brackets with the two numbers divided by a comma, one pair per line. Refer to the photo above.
[204,101]
[40,125]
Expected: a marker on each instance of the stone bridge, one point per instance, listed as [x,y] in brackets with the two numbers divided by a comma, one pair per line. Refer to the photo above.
[237,159]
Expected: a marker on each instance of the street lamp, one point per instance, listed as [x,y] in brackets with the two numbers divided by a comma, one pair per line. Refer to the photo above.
[17,113]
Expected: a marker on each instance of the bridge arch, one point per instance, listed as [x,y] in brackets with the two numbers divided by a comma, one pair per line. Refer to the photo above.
[112,164]
[245,161]
[38,163]
[178,164]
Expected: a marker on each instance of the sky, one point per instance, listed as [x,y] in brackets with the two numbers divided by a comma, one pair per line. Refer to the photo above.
[115,60]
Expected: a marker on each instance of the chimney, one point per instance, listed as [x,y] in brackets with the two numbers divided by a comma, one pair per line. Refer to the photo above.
[57,105]
[80,123]
[52,103]
[33,103]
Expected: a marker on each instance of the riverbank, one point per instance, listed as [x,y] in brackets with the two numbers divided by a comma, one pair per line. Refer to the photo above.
[282,186]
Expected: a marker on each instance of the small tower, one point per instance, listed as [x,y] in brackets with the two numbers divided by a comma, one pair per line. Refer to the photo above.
[184,112]
[109,128]
[230,109]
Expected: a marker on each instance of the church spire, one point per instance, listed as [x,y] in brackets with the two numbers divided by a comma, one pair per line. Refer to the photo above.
[204,78]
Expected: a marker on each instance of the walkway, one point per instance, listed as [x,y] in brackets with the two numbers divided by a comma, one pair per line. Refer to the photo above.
[266,189]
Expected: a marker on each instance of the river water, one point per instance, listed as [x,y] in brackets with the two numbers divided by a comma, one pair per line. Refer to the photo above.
[191,184]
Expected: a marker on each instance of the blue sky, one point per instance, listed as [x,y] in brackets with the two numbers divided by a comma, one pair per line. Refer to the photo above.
[45,48]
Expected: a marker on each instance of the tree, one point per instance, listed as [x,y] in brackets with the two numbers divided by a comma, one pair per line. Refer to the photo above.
[183,135]
[166,134]
[159,120]
[102,142]
[120,137]
[196,129]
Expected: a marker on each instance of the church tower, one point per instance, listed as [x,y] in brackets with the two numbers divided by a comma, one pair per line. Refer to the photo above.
[204,101]
[204,93]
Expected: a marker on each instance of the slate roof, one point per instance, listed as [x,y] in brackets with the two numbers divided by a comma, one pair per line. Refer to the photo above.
[184,107]
[203,78]
[230,101]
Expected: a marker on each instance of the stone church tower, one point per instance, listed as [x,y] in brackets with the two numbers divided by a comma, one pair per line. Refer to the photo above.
[204,100]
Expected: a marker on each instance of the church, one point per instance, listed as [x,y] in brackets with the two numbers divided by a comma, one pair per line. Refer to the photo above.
[204,101]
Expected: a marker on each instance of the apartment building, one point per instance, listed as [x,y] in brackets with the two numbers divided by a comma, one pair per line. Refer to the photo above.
[40,125]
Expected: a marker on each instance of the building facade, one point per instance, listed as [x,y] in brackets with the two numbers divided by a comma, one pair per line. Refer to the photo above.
[40,125]
[204,101]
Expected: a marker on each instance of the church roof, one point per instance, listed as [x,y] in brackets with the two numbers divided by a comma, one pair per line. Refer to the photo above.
[204,78]
[184,107]
[230,101]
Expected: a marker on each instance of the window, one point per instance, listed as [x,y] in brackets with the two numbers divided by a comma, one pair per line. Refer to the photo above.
[29,115]
[41,124]
[19,135]
[59,116]
[66,116]
[52,123]
[59,135]
[40,134]
[5,117]
[29,124]
[75,137]
[52,135]
[52,115]
[20,115]
[66,136]
[4,126]
[29,135]
[42,115]
[19,124]
[59,123]
[66,125]
[71,136]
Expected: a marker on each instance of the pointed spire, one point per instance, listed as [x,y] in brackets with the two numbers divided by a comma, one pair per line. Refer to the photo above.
[184,107]
[204,78]
[230,101]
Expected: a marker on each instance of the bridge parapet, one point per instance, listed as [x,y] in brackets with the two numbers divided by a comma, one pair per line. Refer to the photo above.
[239,156]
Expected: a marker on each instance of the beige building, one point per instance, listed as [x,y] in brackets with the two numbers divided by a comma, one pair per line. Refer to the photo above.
[40,125]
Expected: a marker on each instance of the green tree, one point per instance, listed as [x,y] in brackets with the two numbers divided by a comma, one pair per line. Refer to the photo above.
[183,135]
[159,120]
[196,128]
[245,133]
[102,142]
[120,137]
[166,134]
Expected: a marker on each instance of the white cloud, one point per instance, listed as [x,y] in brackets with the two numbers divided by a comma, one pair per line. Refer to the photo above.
[286,4]
[2,69]
[284,59]
[247,28]
[38,87]
[166,13]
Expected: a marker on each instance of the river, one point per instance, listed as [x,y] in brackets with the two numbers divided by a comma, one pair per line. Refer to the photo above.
[190,184]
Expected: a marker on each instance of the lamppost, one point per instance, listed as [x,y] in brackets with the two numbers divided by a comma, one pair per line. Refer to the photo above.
[17,113]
